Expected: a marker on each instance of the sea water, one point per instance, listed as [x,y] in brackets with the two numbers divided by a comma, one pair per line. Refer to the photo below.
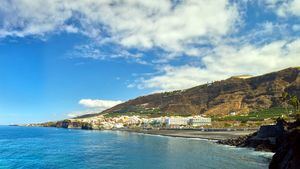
[53,148]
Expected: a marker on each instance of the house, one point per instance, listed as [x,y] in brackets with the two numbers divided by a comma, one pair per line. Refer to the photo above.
[233,113]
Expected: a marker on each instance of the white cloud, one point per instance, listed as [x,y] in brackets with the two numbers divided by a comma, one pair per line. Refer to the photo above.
[174,78]
[94,52]
[99,104]
[134,23]
[93,106]
[226,61]
[174,28]
[80,113]
[29,17]
[284,8]
[254,59]
[293,7]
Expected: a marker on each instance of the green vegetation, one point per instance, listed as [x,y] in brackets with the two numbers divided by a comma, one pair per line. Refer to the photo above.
[291,100]
[49,124]
[136,111]
[260,115]
[177,114]
[171,92]
[144,112]
[271,113]
[294,102]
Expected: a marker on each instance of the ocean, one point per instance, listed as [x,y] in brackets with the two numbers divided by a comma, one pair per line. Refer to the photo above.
[54,148]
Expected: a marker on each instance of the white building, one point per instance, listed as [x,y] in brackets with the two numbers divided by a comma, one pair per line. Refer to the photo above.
[118,125]
[176,121]
[233,113]
[133,120]
[200,121]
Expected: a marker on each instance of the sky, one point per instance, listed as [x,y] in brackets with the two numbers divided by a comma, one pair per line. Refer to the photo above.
[63,58]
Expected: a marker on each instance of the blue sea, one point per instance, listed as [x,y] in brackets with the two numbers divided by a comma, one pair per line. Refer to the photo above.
[53,148]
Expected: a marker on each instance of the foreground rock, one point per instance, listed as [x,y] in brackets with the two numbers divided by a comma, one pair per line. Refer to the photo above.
[265,139]
[287,155]
[282,138]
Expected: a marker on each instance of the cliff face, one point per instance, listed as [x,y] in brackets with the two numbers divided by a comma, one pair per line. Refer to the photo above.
[235,94]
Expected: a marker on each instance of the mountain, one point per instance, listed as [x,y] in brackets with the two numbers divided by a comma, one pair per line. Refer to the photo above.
[239,94]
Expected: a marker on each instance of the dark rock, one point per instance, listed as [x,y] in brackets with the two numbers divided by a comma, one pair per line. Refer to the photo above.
[265,139]
[233,142]
[287,155]
[282,138]
[70,124]
[86,126]
[270,131]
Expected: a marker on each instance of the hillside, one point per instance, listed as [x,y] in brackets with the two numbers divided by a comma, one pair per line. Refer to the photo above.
[236,94]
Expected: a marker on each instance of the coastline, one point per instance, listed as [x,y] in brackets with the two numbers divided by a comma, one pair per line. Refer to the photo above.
[207,135]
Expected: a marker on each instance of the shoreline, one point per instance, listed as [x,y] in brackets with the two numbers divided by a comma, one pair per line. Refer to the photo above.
[206,135]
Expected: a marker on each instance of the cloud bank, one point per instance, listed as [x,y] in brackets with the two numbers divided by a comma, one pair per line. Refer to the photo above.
[135,23]
[221,35]
[226,61]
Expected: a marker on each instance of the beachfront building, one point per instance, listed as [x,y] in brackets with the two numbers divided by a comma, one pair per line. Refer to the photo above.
[175,122]
[199,121]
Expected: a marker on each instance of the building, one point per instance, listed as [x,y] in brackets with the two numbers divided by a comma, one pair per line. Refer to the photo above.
[118,125]
[200,121]
[134,120]
[233,113]
[157,122]
[176,121]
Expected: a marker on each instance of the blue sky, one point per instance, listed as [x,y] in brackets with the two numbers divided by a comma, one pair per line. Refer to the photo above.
[78,57]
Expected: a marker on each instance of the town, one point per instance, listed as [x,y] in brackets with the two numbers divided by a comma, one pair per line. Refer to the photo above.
[123,122]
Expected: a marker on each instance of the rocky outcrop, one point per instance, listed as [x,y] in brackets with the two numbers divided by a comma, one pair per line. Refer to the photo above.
[265,139]
[282,138]
[287,155]
[235,141]
[72,124]
[235,94]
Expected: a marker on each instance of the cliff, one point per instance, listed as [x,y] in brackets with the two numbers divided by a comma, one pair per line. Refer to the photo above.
[240,95]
